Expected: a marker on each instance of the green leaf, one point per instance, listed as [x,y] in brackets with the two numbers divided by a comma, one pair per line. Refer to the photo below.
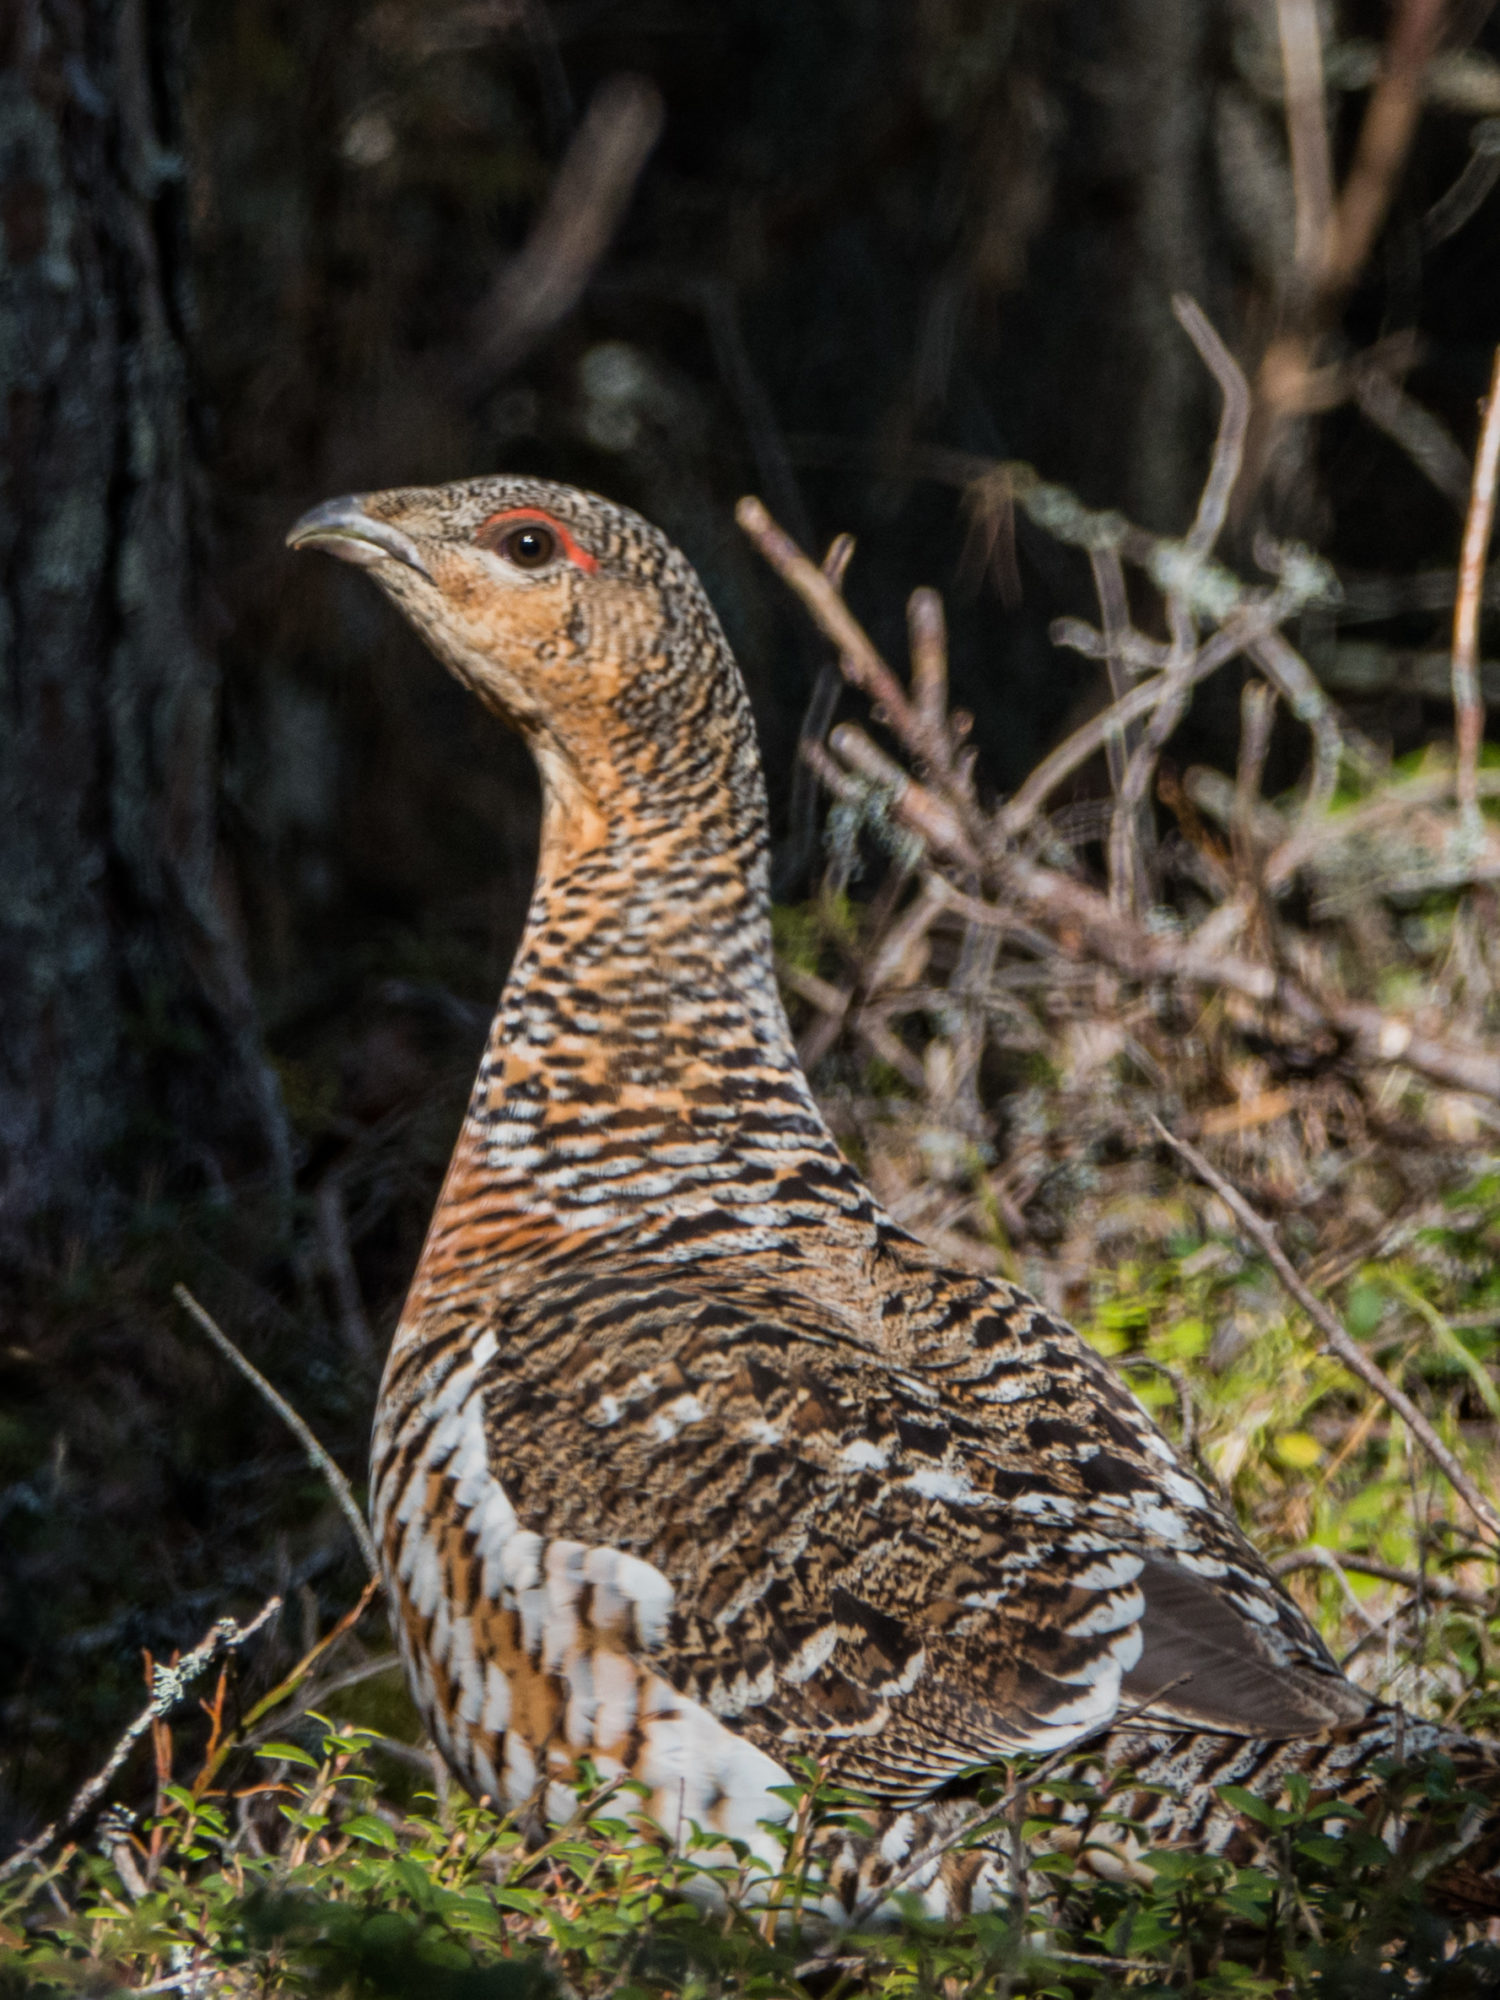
[1250,1806]
[365,1826]
[287,1753]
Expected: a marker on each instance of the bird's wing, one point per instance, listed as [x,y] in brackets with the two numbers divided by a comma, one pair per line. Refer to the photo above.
[863,1553]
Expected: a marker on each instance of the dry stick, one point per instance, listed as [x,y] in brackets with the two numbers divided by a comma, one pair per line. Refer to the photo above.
[1335,1337]
[1130,824]
[584,207]
[1140,954]
[317,1456]
[865,669]
[1333,240]
[1146,656]
[1326,1560]
[1126,874]
[1234,422]
[1468,701]
[1385,136]
[927,635]
[338,1260]
[169,1684]
[860,663]
[1237,635]
[1460,202]
[1307,133]
[1294,680]
[1257,713]
[1435,1586]
[1427,442]
[932,818]
[1088,926]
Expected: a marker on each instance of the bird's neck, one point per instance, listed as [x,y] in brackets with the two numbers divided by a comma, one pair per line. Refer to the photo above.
[640,1087]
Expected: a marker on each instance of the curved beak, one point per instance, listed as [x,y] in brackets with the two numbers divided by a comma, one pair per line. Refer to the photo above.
[344,529]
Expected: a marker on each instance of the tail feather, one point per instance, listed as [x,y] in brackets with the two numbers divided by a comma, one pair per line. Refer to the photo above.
[1430,1795]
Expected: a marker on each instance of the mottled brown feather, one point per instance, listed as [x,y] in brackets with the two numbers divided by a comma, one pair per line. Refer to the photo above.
[690,1460]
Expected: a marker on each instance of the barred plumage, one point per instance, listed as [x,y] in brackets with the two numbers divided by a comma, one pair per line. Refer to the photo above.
[688,1459]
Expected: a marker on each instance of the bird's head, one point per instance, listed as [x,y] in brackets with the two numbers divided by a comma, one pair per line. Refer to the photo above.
[576,620]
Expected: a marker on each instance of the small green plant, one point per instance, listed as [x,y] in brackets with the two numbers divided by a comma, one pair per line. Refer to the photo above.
[305,1879]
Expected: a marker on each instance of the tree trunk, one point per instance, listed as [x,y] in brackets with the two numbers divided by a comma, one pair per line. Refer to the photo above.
[130,1059]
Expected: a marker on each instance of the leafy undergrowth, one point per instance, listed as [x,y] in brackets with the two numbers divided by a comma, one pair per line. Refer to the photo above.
[310,1879]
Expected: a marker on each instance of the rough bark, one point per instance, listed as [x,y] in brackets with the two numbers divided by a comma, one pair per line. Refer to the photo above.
[130,1060]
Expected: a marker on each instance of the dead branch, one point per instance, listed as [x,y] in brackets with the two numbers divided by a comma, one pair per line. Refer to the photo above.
[1237,635]
[929,817]
[169,1685]
[338,1261]
[1385,137]
[318,1458]
[1468,700]
[1307,133]
[1336,1339]
[1428,443]
[1442,1587]
[863,667]
[1468,194]
[583,209]
[1234,422]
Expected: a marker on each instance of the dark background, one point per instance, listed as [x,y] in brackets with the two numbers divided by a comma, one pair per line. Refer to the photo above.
[264,866]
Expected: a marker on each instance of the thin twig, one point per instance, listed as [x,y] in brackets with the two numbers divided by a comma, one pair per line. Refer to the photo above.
[338,1261]
[1257,714]
[861,664]
[1385,135]
[317,1456]
[1234,422]
[1468,194]
[927,635]
[1237,635]
[1335,1337]
[1087,928]
[1127,885]
[584,207]
[930,816]
[1294,680]
[1435,1586]
[1427,441]
[1468,699]
[1307,133]
[169,1685]
[1325,1559]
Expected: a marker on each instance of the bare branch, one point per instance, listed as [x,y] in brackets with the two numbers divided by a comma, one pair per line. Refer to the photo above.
[169,1685]
[1468,700]
[1428,443]
[1337,1340]
[583,209]
[1442,1587]
[1257,714]
[1234,422]
[338,1260]
[317,1456]
[1237,635]
[1307,133]
[928,637]
[1385,136]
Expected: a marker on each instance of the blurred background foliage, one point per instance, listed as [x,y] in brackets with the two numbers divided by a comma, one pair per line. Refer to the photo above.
[845,255]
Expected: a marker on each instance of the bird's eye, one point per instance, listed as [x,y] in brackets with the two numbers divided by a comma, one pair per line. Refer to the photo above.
[530,546]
